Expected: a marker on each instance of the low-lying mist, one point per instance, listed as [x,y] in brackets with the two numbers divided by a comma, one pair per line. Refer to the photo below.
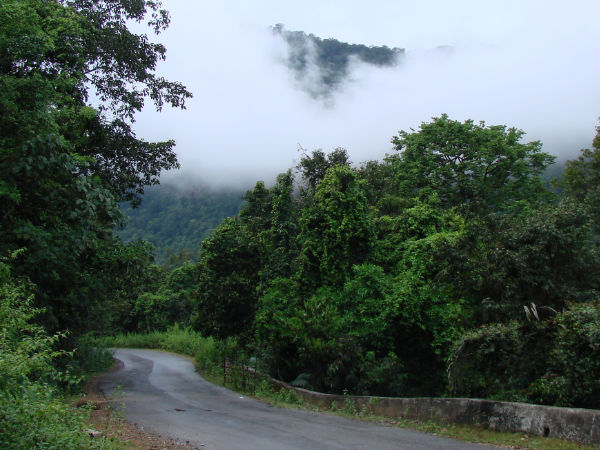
[250,114]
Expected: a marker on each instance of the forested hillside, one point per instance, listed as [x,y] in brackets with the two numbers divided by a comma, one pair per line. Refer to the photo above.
[322,65]
[176,219]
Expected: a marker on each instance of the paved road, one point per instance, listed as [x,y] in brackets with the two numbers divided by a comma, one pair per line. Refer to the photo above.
[162,393]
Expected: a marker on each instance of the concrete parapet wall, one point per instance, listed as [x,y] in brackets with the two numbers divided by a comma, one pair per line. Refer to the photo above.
[581,425]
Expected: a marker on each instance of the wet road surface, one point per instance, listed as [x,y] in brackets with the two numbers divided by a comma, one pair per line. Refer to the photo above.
[162,393]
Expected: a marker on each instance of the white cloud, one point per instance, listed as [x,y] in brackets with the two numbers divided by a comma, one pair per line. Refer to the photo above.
[529,64]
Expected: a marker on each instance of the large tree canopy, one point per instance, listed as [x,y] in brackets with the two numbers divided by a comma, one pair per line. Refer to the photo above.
[64,162]
[52,53]
[335,230]
[477,167]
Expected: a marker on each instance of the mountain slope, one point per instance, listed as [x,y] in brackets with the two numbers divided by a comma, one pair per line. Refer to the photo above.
[177,219]
[321,66]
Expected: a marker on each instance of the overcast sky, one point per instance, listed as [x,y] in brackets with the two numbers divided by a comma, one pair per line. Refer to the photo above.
[530,64]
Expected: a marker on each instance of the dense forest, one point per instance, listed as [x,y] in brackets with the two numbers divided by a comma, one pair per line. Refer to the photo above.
[177,215]
[322,65]
[176,219]
[449,267]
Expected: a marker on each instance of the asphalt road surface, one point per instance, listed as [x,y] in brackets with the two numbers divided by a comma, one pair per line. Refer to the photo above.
[162,393]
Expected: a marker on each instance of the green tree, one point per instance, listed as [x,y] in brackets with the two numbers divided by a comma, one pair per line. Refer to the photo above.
[284,220]
[228,276]
[279,246]
[378,177]
[256,213]
[581,178]
[52,52]
[63,164]
[314,166]
[500,360]
[476,167]
[546,255]
[169,303]
[276,340]
[115,277]
[336,231]
[426,311]
[335,339]
[573,375]
[554,360]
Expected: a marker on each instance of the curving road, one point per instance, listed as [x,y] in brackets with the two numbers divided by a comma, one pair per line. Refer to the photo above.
[162,393]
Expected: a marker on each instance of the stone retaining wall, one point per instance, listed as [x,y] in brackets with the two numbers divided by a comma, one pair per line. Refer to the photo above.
[581,425]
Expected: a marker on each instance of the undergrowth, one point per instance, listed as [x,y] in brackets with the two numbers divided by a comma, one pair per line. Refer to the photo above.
[36,375]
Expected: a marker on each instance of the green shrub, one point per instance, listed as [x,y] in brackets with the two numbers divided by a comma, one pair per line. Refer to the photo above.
[499,361]
[573,378]
[32,415]
[554,361]
[36,418]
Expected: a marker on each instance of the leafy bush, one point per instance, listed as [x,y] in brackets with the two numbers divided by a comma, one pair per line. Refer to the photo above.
[573,378]
[32,415]
[499,361]
[555,362]
[25,349]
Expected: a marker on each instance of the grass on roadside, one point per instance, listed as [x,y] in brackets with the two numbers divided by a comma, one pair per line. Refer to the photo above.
[208,355]
[207,352]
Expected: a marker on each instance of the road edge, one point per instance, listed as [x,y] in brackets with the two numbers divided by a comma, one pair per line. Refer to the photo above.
[106,420]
